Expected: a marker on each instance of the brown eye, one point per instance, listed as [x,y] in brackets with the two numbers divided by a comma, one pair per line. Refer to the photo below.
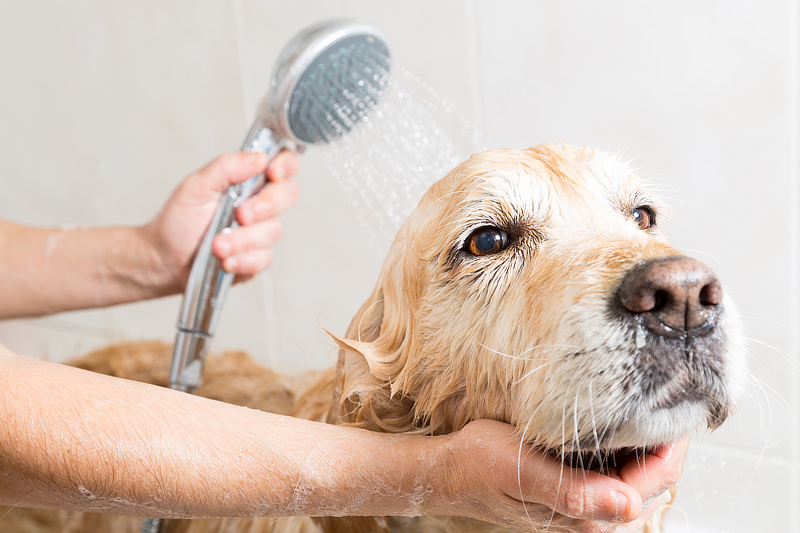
[486,241]
[644,217]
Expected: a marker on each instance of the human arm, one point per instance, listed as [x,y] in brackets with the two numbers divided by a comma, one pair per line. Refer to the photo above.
[72,439]
[47,270]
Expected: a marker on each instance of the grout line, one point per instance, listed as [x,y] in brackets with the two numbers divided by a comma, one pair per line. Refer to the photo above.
[794,288]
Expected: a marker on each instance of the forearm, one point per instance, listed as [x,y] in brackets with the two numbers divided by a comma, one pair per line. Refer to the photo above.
[47,270]
[75,440]
[70,439]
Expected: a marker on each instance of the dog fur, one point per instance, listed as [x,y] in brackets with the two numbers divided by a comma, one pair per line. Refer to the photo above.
[533,333]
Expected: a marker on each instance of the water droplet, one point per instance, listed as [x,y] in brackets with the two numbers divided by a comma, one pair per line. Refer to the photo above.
[641,337]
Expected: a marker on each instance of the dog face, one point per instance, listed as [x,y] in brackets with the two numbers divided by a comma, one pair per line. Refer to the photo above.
[535,287]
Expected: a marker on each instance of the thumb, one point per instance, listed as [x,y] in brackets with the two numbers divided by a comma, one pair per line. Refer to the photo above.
[579,494]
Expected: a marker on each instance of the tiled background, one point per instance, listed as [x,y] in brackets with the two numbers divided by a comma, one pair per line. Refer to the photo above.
[105,106]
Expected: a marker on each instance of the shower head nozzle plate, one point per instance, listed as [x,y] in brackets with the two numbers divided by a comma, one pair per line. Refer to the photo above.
[327,80]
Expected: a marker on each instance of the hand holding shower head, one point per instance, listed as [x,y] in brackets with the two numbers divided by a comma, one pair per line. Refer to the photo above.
[324,83]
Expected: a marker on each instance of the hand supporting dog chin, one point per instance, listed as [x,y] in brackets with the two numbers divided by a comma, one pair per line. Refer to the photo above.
[537,492]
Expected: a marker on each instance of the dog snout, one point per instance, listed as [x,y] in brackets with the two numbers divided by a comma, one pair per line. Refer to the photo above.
[672,295]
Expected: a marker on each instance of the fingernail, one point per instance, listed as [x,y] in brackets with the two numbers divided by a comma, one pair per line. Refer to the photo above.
[223,246]
[230,264]
[620,507]
[245,215]
[257,159]
[277,173]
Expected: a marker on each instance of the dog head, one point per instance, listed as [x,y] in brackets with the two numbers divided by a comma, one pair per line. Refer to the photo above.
[535,287]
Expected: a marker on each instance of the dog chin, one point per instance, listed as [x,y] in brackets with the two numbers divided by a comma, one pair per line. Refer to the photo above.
[636,437]
[655,427]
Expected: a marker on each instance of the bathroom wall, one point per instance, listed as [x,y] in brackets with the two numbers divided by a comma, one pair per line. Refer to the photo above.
[106,106]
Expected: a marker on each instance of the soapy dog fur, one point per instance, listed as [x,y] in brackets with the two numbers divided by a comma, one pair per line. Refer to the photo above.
[529,286]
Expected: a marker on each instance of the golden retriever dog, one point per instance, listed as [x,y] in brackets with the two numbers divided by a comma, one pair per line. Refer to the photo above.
[530,286]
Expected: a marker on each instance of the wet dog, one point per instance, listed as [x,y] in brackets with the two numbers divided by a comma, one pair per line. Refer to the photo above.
[534,287]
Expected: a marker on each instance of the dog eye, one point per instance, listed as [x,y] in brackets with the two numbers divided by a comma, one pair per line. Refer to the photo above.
[486,241]
[644,216]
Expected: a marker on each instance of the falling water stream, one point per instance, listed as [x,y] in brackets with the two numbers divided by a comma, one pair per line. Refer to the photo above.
[406,139]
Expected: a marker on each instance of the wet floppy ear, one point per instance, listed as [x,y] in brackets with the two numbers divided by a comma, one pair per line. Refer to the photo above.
[380,330]
[368,350]
[363,335]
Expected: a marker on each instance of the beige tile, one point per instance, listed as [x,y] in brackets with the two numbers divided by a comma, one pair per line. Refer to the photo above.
[107,108]
[41,164]
[158,87]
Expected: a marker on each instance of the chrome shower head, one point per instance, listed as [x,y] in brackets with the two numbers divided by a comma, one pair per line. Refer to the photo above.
[325,82]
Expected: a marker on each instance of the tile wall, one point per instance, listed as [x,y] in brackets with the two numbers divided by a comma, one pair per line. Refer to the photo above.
[105,106]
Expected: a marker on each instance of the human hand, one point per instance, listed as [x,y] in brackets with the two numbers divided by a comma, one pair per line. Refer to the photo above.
[176,232]
[652,476]
[493,478]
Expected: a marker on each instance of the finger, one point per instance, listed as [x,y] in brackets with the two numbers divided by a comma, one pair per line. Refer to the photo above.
[658,470]
[230,169]
[654,507]
[539,477]
[260,236]
[272,200]
[585,495]
[248,264]
[283,166]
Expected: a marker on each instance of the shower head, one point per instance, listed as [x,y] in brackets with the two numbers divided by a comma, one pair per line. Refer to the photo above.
[325,82]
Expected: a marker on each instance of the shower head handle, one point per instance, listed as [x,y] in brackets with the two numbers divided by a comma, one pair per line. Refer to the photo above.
[324,83]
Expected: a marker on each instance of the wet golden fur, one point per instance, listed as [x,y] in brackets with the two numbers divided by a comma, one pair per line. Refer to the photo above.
[446,337]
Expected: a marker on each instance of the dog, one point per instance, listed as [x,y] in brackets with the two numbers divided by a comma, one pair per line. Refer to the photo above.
[534,287]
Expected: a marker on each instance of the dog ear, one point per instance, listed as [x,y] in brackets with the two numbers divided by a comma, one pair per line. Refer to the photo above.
[367,350]
[381,331]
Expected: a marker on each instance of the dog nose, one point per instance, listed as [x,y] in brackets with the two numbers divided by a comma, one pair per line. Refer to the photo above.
[671,294]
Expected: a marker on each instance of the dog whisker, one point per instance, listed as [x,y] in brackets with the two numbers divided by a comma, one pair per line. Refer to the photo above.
[576,434]
[785,356]
[519,471]
[545,349]
[532,372]
[594,424]
[761,394]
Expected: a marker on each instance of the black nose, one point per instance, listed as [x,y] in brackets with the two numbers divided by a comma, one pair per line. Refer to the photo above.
[671,294]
